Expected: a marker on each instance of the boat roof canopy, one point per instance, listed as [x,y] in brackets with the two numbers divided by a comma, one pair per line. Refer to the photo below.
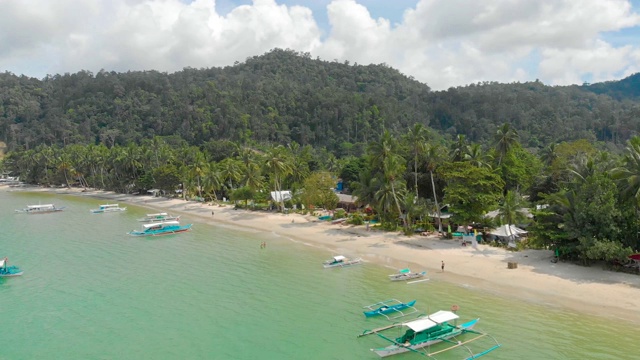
[339,257]
[39,206]
[109,205]
[158,214]
[405,271]
[146,226]
[431,320]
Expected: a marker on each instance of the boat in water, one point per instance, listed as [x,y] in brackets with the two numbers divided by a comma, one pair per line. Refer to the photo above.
[393,307]
[159,217]
[161,228]
[341,261]
[439,327]
[40,209]
[8,271]
[107,208]
[406,274]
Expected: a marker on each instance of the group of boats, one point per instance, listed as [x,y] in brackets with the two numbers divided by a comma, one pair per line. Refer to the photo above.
[419,334]
[155,225]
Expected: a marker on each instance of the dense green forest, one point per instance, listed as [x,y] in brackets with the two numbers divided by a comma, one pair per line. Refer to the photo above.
[284,96]
[286,121]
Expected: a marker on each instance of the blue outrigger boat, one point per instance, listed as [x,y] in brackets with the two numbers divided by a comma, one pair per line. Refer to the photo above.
[8,271]
[391,306]
[439,327]
[162,228]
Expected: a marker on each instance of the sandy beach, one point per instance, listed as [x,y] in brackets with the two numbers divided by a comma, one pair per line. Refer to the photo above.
[590,290]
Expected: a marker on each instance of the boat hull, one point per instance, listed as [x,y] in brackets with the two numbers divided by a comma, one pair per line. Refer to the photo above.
[409,276]
[10,271]
[342,264]
[400,348]
[389,309]
[167,231]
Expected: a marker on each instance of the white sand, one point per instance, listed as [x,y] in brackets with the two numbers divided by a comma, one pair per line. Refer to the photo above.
[591,290]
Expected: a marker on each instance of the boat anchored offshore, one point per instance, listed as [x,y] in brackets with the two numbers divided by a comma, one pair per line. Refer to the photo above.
[8,271]
[394,307]
[107,208]
[341,261]
[406,274]
[161,228]
[439,327]
[40,209]
[159,217]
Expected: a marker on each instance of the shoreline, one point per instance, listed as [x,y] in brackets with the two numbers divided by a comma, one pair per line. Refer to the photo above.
[588,290]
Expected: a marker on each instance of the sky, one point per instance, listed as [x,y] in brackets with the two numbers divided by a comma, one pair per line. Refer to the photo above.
[443,43]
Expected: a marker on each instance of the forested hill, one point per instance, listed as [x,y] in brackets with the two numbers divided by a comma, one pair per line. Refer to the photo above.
[285,96]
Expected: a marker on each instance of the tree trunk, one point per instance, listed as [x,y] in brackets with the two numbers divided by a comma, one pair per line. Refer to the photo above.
[435,198]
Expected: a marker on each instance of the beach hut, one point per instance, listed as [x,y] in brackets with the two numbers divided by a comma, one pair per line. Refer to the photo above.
[347,202]
[508,234]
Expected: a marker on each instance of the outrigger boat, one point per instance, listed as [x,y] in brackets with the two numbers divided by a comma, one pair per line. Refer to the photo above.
[340,261]
[430,330]
[108,208]
[40,209]
[406,274]
[162,228]
[8,271]
[159,217]
[391,306]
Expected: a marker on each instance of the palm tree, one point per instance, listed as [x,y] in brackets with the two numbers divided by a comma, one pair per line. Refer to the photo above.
[278,166]
[504,139]
[477,157]
[629,173]
[459,148]
[416,141]
[433,160]
[549,154]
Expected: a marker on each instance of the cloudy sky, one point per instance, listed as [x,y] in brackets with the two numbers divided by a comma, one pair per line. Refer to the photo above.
[443,43]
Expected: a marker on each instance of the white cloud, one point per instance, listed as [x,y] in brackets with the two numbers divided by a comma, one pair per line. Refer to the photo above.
[441,42]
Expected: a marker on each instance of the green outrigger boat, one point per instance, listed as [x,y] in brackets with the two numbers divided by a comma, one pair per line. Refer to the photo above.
[439,327]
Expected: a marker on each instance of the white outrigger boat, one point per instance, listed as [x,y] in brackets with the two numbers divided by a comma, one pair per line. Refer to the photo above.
[108,208]
[159,217]
[40,209]
[439,327]
[406,274]
[341,261]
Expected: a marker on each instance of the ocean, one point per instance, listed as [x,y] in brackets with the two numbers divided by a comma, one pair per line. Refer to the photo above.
[90,291]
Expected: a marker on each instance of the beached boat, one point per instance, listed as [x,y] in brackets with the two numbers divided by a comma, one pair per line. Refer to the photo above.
[8,271]
[159,217]
[107,208]
[393,306]
[439,327]
[161,228]
[340,261]
[40,209]
[406,274]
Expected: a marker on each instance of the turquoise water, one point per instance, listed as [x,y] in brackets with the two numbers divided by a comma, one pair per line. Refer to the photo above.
[92,292]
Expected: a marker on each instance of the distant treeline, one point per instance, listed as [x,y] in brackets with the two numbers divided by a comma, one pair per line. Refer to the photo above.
[283,97]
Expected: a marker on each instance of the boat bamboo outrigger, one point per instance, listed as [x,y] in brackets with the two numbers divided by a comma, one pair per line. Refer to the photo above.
[394,307]
[430,330]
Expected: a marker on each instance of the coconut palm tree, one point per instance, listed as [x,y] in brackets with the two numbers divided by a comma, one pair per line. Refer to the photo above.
[416,140]
[504,140]
[459,148]
[278,166]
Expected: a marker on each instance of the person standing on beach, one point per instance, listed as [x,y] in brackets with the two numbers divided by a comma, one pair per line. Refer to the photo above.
[442,266]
